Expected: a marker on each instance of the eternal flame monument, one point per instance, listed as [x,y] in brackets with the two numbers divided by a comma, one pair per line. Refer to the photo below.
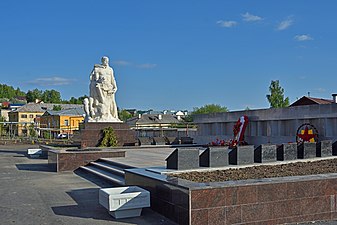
[101,109]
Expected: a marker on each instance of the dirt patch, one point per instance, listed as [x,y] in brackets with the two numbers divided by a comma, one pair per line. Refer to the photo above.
[263,171]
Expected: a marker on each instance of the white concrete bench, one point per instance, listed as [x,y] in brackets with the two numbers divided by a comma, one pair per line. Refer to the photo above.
[34,152]
[124,202]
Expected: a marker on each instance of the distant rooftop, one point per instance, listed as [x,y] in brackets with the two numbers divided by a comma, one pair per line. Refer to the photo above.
[305,100]
[66,112]
[154,119]
[42,107]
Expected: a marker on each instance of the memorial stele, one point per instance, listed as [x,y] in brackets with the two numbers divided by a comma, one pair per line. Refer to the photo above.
[101,105]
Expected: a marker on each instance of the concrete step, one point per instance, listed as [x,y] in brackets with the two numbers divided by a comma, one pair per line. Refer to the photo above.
[116,164]
[108,167]
[116,179]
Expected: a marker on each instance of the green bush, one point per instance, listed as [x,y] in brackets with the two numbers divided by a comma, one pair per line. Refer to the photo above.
[109,138]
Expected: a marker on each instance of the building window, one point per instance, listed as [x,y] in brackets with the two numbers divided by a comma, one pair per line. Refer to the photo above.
[31,116]
[66,122]
[24,116]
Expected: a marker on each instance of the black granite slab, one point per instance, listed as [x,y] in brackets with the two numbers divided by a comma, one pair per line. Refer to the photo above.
[214,157]
[242,155]
[183,159]
[287,151]
[324,148]
[265,153]
[334,148]
[186,140]
[306,150]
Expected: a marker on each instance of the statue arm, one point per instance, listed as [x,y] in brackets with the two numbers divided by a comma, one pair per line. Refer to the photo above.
[113,82]
[93,75]
[114,85]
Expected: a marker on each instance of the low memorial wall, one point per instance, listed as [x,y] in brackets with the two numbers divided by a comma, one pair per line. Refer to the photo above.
[278,200]
[261,201]
[61,160]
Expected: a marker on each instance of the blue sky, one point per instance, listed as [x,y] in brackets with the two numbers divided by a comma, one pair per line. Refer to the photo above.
[173,54]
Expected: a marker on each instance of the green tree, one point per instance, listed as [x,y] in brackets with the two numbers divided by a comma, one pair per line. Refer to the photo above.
[276,97]
[209,108]
[9,92]
[2,127]
[32,131]
[51,96]
[124,115]
[32,95]
[57,107]
[74,100]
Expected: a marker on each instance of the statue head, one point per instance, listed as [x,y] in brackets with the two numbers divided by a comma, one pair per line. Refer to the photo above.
[105,61]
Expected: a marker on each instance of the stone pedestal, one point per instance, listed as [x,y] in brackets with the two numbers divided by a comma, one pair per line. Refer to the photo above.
[92,133]
[265,153]
[287,152]
[324,148]
[242,155]
[214,157]
[183,159]
[306,150]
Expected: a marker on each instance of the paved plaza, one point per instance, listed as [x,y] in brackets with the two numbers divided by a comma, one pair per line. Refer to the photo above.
[31,194]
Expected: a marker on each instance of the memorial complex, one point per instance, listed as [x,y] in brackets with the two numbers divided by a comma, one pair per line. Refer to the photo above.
[267,166]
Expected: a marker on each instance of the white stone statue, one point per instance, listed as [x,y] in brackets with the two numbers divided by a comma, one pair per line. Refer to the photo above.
[101,105]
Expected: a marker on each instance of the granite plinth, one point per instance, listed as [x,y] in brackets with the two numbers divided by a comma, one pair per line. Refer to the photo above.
[306,150]
[63,160]
[92,134]
[287,151]
[214,157]
[324,148]
[183,159]
[241,155]
[265,153]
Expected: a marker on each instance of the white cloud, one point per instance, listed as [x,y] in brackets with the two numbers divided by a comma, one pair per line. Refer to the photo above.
[121,63]
[51,81]
[320,90]
[303,37]
[131,64]
[147,66]
[285,24]
[227,24]
[251,18]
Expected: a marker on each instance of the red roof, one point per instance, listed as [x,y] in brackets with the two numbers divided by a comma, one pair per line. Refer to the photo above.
[311,101]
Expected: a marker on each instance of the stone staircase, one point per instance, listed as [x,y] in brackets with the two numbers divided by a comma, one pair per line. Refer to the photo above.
[107,170]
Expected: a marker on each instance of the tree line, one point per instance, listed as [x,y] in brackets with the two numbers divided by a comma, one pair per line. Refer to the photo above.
[9,93]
